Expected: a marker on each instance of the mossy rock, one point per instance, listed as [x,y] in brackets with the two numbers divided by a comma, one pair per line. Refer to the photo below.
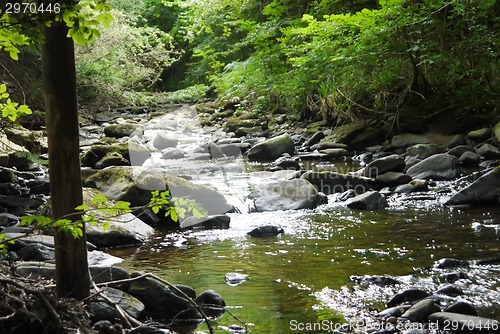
[112,159]
[247,120]
[345,133]
[496,131]
[134,184]
[99,151]
[122,130]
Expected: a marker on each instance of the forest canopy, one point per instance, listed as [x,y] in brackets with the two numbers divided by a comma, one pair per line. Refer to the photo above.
[319,60]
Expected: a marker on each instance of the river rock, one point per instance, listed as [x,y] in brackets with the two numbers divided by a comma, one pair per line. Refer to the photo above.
[480,135]
[231,150]
[314,139]
[98,151]
[447,262]
[285,163]
[172,153]
[332,182]
[496,131]
[37,252]
[461,308]
[346,132]
[405,140]
[266,231]
[211,303]
[102,273]
[334,152]
[421,310]
[410,295]
[161,302]
[450,290]
[488,151]
[456,141]
[391,163]
[391,179]
[35,270]
[8,219]
[112,159]
[370,200]
[485,190]
[470,324]
[293,194]
[422,151]
[437,167]
[138,152]
[469,158]
[101,310]
[328,145]
[163,140]
[134,184]
[123,130]
[234,279]
[272,148]
[209,222]
[460,149]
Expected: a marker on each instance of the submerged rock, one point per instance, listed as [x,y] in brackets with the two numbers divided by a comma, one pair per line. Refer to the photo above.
[266,231]
[234,279]
[209,222]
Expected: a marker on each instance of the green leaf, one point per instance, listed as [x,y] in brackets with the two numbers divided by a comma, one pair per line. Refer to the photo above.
[83,207]
[99,199]
[105,226]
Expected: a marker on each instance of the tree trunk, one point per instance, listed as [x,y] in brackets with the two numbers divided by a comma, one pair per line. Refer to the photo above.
[59,80]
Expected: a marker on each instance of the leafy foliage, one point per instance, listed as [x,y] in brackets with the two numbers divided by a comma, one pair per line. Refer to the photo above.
[11,110]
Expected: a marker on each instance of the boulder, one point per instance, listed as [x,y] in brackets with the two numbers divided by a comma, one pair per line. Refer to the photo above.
[391,163]
[346,132]
[422,151]
[163,140]
[488,151]
[391,179]
[101,310]
[450,290]
[457,140]
[446,263]
[368,137]
[407,296]
[37,252]
[293,194]
[134,184]
[327,145]
[332,182]
[370,200]
[102,274]
[271,149]
[480,135]
[334,152]
[244,121]
[437,167]
[460,149]
[405,140]
[421,310]
[8,219]
[211,303]
[314,139]
[469,158]
[172,153]
[485,190]
[470,324]
[285,163]
[496,131]
[209,222]
[99,151]
[112,159]
[461,308]
[160,301]
[123,130]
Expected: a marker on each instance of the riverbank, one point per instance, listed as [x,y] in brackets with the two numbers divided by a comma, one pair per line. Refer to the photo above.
[297,169]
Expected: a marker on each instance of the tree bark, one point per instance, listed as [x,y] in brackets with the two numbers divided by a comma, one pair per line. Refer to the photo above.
[59,81]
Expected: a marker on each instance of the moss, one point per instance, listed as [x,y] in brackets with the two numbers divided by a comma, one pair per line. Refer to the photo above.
[344,133]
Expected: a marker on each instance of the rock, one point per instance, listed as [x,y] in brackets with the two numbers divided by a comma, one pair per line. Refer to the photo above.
[103,311]
[410,295]
[134,184]
[374,280]
[160,302]
[391,163]
[346,132]
[209,222]
[234,279]
[211,303]
[332,182]
[99,151]
[102,274]
[450,290]
[266,231]
[405,189]
[98,258]
[391,179]
[470,324]
[421,310]
[370,200]
[112,159]
[469,158]
[314,139]
[422,151]
[334,152]
[459,150]
[446,263]
[480,135]
[453,277]
[32,140]
[395,311]
[405,140]
[271,149]
[138,152]
[369,137]
[35,270]
[456,141]
[8,219]
[437,167]
[123,130]
[285,163]
[172,153]
[38,187]
[461,308]
[293,194]
[488,151]
[163,140]
[37,252]
[184,290]
[485,190]
[20,160]
[230,150]
[328,145]
[243,121]
[496,131]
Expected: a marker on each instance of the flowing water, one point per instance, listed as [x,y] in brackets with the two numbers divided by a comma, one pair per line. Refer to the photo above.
[303,276]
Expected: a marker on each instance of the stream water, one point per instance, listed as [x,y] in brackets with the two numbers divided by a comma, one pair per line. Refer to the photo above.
[303,276]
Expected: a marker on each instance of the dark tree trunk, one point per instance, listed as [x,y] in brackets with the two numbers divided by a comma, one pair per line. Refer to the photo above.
[59,82]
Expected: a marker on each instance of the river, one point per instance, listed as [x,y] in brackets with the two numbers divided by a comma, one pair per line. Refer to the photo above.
[304,275]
